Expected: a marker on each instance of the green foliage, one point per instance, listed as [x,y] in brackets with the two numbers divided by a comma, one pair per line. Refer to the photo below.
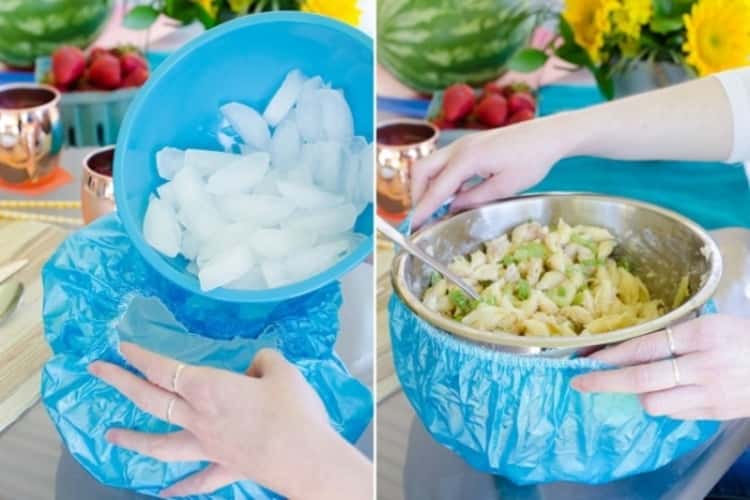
[140,17]
[187,11]
[527,60]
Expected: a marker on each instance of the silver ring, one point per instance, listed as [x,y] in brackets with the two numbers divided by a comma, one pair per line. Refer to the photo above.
[170,407]
[176,376]
[670,342]
[676,372]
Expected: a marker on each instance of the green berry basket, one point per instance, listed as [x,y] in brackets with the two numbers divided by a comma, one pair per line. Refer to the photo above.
[92,117]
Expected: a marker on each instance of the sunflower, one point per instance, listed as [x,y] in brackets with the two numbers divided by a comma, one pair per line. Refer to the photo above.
[591,21]
[718,35]
[343,10]
[630,16]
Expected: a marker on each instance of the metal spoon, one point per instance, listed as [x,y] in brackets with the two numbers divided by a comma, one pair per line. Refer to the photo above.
[10,296]
[392,234]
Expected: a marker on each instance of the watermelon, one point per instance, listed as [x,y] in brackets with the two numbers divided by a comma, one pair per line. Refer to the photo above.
[431,44]
[33,28]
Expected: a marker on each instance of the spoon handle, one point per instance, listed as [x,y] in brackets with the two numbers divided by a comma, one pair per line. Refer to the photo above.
[396,237]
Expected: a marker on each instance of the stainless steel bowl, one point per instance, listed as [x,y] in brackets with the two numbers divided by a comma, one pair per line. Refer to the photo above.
[662,245]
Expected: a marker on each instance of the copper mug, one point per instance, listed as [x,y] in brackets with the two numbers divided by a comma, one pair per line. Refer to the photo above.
[31,133]
[97,189]
[400,143]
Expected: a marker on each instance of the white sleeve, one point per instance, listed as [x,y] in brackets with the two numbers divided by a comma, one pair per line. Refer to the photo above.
[736,84]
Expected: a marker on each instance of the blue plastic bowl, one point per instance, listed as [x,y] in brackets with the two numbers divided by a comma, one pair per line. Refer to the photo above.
[243,60]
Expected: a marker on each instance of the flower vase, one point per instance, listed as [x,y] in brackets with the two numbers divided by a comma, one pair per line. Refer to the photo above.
[643,76]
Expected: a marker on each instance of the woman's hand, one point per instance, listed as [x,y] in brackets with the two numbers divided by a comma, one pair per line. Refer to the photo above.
[511,159]
[268,426]
[712,354]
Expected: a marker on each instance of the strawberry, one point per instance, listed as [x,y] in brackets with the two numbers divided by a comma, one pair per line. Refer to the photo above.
[129,61]
[105,72]
[492,110]
[521,100]
[521,116]
[96,52]
[458,101]
[136,78]
[441,123]
[68,64]
[494,88]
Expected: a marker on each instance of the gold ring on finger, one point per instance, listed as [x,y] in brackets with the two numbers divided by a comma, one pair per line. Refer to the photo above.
[676,372]
[176,376]
[670,341]
[170,407]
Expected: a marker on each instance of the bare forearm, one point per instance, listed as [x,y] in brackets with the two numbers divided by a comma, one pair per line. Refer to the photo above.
[690,122]
[337,472]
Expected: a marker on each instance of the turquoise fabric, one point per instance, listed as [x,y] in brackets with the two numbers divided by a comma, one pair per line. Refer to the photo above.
[714,195]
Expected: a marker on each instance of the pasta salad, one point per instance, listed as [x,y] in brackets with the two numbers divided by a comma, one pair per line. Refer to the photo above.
[543,281]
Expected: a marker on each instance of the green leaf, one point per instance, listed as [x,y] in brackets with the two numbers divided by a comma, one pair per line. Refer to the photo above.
[664,25]
[140,17]
[574,54]
[184,11]
[527,60]
[566,31]
[239,6]
[670,8]
[605,83]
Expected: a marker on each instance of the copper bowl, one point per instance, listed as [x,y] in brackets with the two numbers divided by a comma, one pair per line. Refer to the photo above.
[31,134]
[97,188]
[400,143]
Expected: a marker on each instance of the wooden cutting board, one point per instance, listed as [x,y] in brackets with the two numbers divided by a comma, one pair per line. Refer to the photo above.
[23,349]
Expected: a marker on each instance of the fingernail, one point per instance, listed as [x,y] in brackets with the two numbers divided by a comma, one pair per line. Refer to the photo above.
[93,368]
[576,384]
[111,436]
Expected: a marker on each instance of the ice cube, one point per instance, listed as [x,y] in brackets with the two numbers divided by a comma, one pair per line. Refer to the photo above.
[261,209]
[248,124]
[240,176]
[366,174]
[268,184]
[284,98]
[329,158]
[189,246]
[188,187]
[167,194]
[251,280]
[307,111]
[301,174]
[285,146]
[161,229]
[306,196]
[274,272]
[351,239]
[206,162]
[192,268]
[325,220]
[169,161]
[276,243]
[227,266]
[336,116]
[228,137]
[316,260]
[230,235]
[201,218]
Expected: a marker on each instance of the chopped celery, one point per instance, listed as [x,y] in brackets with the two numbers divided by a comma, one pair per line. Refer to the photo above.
[523,290]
